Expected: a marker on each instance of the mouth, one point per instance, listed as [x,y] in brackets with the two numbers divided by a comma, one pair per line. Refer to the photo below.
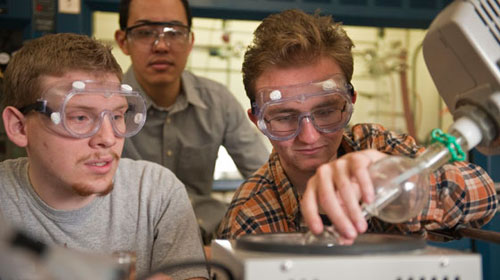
[310,150]
[161,64]
[101,165]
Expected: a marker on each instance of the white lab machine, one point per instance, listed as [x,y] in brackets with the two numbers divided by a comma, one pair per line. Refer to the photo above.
[391,259]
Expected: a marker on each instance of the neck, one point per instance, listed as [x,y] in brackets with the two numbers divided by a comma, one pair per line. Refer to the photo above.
[53,194]
[298,178]
[163,95]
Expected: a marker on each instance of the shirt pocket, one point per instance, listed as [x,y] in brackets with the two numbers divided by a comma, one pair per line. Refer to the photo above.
[196,167]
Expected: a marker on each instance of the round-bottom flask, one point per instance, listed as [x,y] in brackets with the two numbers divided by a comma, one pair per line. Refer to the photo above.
[401,189]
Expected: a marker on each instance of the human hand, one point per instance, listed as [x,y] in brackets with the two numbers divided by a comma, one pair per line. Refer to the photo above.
[337,188]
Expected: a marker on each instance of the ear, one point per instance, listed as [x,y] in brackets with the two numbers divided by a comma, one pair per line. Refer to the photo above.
[252,117]
[192,42]
[15,126]
[121,40]
[354,96]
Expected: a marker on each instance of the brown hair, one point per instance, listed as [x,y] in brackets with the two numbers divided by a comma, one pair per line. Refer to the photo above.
[53,55]
[124,12]
[293,38]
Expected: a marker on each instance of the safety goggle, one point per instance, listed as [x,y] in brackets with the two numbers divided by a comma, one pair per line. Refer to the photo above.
[79,110]
[280,114]
[150,32]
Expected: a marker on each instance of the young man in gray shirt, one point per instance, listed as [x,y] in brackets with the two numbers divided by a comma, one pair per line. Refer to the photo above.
[66,106]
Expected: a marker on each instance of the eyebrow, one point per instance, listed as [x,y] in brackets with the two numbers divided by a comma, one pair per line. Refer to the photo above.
[330,103]
[283,110]
[83,107]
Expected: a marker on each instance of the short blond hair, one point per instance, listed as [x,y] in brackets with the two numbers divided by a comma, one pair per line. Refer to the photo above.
[294,38]
[53,55]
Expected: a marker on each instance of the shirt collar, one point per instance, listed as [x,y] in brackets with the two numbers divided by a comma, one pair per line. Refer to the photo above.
[193,95]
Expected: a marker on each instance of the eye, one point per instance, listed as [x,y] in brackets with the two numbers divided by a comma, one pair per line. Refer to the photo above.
[284,118]
[118,116]
[79,117]
[144,33]
[325,112]
[175,34]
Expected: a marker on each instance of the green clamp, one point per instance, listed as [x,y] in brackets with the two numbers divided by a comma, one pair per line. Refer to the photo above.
[457,154]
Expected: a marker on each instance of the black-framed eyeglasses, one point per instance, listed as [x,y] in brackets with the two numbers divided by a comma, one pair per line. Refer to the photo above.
[149,33]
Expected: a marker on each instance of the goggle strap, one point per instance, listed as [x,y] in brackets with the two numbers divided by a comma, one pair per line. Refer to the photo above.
[38,106]
[255,107]
[350,88]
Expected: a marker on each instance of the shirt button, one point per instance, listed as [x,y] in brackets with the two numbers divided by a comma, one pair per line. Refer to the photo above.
[169,153]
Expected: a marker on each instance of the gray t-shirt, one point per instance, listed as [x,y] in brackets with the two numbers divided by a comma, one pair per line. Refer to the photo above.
[148,212]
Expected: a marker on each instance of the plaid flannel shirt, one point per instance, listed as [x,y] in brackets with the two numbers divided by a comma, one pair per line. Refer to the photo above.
[461,193]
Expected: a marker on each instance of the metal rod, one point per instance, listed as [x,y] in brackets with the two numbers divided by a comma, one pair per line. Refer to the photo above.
[479,234]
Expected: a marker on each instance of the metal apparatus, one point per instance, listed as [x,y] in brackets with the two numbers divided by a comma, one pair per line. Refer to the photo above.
[462,53]
[380,258]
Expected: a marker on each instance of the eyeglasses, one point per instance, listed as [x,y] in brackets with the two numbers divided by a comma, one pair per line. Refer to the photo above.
[148,33]
[79,112]
[280,115]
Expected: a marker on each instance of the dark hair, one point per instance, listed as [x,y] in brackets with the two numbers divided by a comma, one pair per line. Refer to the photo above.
[292,38]
[125,6]
[53,55]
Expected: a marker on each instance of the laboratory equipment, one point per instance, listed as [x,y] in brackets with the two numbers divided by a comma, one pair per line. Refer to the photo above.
[22,255]
[401,183]
[462,52]
[409,263]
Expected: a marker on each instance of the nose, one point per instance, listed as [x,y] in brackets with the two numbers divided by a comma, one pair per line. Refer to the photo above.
[308,133]
[161,42]
[105,136]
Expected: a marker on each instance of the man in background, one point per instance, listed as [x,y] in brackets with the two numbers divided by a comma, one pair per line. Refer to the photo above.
[189,117]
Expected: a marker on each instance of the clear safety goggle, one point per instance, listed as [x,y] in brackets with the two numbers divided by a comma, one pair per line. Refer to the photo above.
[150,32]
[78,108]
[280,111]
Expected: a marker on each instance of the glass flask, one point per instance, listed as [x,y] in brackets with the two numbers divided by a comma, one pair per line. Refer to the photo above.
[401,187]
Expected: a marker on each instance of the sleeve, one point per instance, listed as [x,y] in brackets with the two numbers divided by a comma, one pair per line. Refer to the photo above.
[254,209]
[177,237]
[242,139]
[375,136]
[461,193]
[236,223]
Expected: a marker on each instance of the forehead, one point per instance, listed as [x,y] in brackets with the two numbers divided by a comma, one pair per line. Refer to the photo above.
[279,76]
[97,101]
[53,92]
[47,82]
[156,10]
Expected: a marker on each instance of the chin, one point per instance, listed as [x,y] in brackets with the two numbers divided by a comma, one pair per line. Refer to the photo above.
[309,167]
[88,190]
[312,164]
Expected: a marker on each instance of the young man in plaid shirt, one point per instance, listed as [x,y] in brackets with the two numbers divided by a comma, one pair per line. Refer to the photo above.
[297,75]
